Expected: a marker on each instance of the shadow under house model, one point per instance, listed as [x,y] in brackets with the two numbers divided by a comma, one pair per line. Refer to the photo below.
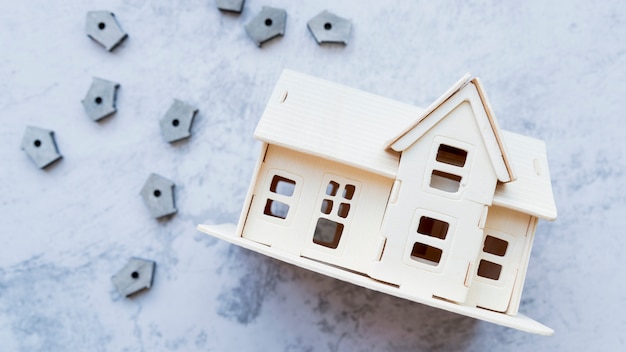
[438,205]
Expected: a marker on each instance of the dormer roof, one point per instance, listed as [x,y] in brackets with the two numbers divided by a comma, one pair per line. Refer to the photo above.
[469,90]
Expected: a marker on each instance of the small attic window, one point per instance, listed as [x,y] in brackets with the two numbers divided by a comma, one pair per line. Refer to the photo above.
[451,155]
[445,182]
[433,227]
[282,186]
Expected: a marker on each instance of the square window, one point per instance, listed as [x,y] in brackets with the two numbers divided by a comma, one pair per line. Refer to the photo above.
[327,233]
[451,155]
[445,181]
[489,270]
[332,188]
[426,254]
[327,206]
[282,186]
[495,246]
[276,209]
[433,227]
[348,192]
[344,209]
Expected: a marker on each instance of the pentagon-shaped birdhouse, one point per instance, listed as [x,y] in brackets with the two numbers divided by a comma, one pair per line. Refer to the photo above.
[103,28]
[176,124]
[100,99]
[40,145]
[158,194]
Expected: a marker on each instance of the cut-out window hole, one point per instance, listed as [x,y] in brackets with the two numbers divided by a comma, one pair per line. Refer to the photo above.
[175,122]
[426,254]
[157,193]
[282,186]
[268,22]
[445,181]
[328,26]
[489,270]
[276,209]
[332,188]
[37,143]
[344,209]
[134,275]
[451,155]
[433,227]
[98,100]
[495,246]
[102,25]
[327,206]
[348,192]
[327,233]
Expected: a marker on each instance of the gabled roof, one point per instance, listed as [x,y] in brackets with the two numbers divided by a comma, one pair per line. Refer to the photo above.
[325,119]
[335,122]
[470,90]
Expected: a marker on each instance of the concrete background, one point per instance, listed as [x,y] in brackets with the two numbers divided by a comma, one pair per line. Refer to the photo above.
[553,70]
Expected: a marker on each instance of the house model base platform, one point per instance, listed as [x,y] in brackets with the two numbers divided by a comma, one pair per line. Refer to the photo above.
[437,205]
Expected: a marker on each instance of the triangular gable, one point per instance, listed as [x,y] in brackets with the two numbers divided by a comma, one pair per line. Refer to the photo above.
[470,90]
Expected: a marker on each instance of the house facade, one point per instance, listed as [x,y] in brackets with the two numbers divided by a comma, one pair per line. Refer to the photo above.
[437,205]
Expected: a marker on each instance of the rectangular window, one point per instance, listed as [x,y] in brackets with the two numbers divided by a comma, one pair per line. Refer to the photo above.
[495,246]
[433,227]
[282,186]
[496,249]
[451,155]
[429,239]
[445,181]
[276,209]
[327,233]
[281,190]
[489,270]
[426,254]
[448,165]
[335,210]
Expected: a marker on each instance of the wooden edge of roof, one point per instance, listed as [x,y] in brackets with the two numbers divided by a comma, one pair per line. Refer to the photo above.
[432,107]
[462,83]
[495,127]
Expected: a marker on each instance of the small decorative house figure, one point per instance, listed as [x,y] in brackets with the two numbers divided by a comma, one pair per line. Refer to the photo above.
[438,206]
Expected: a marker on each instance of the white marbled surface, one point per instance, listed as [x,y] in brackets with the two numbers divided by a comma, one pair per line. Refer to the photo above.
[555,70]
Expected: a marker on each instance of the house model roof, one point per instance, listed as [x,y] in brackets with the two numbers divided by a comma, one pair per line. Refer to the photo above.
[468,90]
[335,122]
[367,131]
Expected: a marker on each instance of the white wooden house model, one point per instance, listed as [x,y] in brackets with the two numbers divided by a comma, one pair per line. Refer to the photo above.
[436,205]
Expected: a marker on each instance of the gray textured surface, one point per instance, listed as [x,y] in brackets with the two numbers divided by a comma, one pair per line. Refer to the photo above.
[554,70]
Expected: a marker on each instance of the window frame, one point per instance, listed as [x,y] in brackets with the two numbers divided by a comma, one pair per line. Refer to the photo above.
[434,166]
[442,244]
[337,200]
[291,201]
[503,260]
